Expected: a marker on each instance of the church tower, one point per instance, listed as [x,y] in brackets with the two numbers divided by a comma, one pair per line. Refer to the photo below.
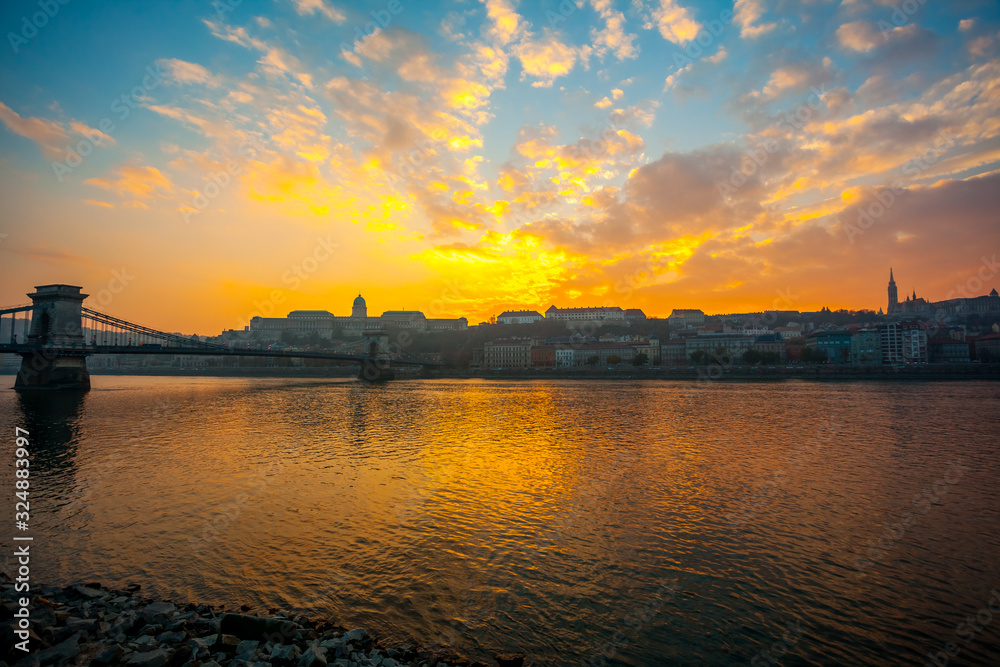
[893,296]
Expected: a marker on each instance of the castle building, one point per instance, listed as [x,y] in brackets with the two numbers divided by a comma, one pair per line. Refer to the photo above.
[360,308]
[325,323]
[585,314]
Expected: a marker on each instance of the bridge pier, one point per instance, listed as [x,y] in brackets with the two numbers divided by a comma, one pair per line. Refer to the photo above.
[375,370]
[59,360]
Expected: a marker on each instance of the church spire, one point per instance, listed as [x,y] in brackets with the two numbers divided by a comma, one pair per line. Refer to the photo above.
[893,298]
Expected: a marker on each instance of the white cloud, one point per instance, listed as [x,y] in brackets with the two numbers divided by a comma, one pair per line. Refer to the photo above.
[675,22]
[858,36]
[746,15]
[304,7]
[185,72]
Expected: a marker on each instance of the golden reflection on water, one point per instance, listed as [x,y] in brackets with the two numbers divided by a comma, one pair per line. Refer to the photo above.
[533,515]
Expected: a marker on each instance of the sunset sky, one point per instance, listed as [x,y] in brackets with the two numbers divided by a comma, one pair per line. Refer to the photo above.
[203,162]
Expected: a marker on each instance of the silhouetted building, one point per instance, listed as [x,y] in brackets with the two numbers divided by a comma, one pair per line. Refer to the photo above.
[519,317]
[948,351]
[893,295]
[686,318]
[866,347]
[835,345]
[585,314]
[325,324]
[770,343]
[508,353]
[914,306]
[987,348]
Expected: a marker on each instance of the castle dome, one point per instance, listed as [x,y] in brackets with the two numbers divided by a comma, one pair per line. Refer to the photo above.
[359,301]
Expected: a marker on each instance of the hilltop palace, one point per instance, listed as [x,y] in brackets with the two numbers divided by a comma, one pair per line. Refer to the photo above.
[326,324]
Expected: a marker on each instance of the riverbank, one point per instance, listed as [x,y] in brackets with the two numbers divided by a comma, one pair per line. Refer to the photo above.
[744,373]
[949,372]
[92,625]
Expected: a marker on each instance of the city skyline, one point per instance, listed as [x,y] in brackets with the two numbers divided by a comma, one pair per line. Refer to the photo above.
[467,158]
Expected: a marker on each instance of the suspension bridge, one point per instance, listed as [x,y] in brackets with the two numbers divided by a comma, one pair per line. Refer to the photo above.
[58,334]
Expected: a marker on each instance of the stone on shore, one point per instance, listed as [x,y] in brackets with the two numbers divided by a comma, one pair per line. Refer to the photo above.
[510,660]
[155,658]
[89,593]
[314,656]
[256,627]
[61,652]
[158,613]
[89,624]
[109,656]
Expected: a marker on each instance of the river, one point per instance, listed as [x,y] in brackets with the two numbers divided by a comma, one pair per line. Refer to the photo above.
[602,522]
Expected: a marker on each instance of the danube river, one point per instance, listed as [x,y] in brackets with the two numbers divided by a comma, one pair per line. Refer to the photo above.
[639,523]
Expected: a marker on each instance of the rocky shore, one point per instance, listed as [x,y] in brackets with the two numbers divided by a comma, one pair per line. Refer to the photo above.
[92,625]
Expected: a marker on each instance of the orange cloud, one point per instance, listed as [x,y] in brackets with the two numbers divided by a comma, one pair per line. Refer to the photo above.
[545,59]
[675,22]
[49,135]
[140,182]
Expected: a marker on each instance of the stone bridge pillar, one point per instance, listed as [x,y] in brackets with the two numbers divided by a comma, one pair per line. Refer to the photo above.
[376,366]
[59,357]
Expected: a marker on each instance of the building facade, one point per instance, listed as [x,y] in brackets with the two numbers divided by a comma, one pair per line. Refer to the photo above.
[722,344]
[891,336]
[914,306]
[835,345]
[326,324]
[947,351]
[585,314]
[686,318]
[508,353]
[866,347]
[519,317]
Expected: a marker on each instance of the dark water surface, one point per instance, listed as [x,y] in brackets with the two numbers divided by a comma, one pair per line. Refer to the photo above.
[639,523]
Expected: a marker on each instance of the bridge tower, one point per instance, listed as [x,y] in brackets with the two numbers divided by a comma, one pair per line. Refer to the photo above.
[375,367]
[59,360]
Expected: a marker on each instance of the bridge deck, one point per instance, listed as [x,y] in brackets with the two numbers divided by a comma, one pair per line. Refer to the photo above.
[88,350]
